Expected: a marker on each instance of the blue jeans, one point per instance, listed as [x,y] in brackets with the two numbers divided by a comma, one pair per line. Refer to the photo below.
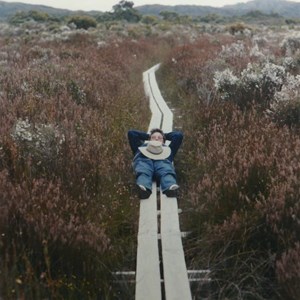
[147,170]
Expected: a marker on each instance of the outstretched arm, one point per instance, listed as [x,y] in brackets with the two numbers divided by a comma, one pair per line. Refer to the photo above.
[136,139]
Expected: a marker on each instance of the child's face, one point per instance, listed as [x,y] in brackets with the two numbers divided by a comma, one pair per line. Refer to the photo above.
[156,136]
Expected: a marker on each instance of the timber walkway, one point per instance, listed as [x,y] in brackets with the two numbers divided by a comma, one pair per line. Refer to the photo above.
[161,271]
[148,270]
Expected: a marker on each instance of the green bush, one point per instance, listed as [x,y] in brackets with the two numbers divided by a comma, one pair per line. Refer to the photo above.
[238,27]
[150,20]
[21,17]
[83,22]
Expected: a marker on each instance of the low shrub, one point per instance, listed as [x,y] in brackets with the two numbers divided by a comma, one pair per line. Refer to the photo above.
[83,22]
[290,44]
[256,85]
[237,28]
[285,108]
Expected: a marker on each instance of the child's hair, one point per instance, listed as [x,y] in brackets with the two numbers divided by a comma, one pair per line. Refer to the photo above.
[158,130]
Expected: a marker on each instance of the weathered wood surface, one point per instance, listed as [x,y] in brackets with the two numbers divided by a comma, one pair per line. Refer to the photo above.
[167,116]
[148,275]
[175,274]
[148,285]
[157,115]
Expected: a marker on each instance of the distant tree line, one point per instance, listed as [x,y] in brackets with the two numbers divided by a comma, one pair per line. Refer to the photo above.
[124,11]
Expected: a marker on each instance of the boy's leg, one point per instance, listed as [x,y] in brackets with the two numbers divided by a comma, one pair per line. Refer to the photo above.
[143,168]
[165,172]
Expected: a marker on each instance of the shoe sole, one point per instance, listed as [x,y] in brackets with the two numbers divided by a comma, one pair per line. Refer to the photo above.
[171,193]
[144,194]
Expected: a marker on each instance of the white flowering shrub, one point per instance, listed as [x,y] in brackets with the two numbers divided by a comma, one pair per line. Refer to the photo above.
[251,78]
[256,84]
[41,142]
[290,89]
[260,40]
[22,131]
[235,50]
[226,83]
[289,63]
[272,79]
[255,52]
[285,108]
[291,44]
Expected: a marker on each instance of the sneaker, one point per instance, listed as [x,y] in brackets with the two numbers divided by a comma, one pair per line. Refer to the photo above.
[172,191]
[144,193]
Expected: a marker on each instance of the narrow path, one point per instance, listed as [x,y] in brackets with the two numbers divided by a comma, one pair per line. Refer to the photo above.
[161,270]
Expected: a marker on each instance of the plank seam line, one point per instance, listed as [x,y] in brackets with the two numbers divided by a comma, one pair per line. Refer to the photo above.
[155,100]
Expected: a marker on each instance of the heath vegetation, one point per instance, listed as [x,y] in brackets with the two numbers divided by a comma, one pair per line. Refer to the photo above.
[239,106]
[69,91]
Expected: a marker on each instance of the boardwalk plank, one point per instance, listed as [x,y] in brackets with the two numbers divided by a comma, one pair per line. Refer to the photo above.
[148,274]
[167,115]
[148,285]
[175,273]
[156,118]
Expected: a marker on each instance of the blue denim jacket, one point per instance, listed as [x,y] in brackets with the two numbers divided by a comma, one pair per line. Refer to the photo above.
[137,139]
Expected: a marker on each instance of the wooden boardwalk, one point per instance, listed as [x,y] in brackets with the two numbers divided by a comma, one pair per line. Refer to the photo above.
[161,269]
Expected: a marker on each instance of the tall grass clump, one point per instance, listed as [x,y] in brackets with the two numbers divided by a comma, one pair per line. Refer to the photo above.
[68,214]
[239,171]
